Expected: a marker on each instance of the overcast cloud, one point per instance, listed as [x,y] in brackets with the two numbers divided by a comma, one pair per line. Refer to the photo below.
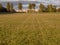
[46,1]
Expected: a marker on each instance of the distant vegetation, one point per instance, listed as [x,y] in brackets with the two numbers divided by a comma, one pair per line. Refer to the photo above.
[2,9]
[9,7]
[31,7]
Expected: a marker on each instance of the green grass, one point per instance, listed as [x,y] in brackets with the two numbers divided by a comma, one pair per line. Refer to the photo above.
[30,29]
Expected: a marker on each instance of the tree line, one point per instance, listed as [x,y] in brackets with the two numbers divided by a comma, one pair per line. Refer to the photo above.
[31,7]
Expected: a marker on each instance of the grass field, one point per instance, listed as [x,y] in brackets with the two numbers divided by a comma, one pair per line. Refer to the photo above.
[30,29]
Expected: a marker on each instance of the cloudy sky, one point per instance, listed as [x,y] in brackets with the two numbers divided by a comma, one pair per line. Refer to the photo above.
[47,1]
[29,0]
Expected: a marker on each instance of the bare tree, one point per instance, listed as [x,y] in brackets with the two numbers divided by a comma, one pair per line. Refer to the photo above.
[31,6]
[8,7]
[41,8]
[0,6]
[20,6]
[50,8]
[11,7]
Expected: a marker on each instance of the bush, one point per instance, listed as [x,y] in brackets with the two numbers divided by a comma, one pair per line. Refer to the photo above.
[3,10]
[58,10]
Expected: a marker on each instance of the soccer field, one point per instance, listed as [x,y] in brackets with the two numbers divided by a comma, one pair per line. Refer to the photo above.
[30,29]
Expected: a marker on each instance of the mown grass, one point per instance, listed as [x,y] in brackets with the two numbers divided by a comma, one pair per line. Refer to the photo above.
[30,29]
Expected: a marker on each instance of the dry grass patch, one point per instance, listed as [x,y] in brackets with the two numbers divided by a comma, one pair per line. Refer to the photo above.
[30,29]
